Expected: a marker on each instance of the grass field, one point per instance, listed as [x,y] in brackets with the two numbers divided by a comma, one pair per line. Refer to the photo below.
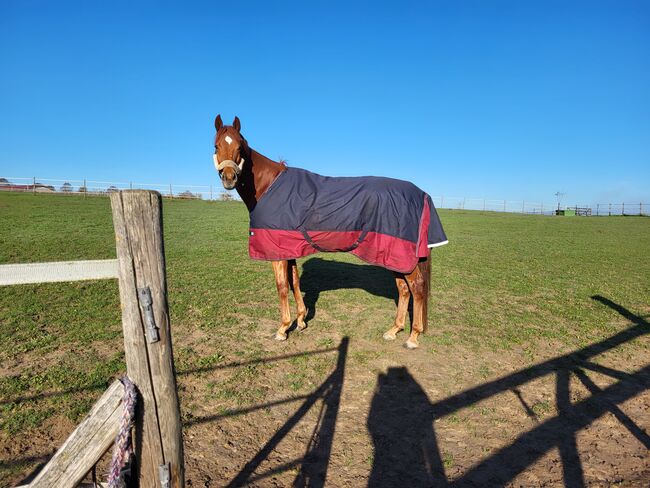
[509,291]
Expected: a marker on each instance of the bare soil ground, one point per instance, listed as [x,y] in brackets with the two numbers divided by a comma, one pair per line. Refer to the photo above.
[392,417]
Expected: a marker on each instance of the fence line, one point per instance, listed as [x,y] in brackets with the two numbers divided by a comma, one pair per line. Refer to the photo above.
[88,187]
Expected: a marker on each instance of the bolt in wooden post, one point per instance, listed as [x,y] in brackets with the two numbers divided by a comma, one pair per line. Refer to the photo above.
[137,218]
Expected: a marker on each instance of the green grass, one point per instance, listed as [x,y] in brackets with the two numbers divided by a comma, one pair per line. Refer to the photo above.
[505,281]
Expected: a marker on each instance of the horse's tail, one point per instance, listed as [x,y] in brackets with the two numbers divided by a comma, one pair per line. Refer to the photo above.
[425,268]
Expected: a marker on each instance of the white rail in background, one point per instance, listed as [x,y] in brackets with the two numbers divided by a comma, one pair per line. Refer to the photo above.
[54,272]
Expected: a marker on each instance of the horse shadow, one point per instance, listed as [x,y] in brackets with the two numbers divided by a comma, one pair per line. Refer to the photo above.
[319,275]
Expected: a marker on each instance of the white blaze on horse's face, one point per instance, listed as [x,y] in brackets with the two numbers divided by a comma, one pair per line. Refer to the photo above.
[228,139]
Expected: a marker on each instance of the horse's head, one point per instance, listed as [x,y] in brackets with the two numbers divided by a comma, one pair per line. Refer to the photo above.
[231,152]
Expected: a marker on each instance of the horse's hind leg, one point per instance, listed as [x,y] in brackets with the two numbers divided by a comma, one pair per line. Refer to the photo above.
[300,304]
[402,307]
[280,270]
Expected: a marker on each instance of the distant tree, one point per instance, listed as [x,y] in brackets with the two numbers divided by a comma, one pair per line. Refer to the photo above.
[4,181]
[226,197]
[66,187]
[186,194]
[83,189]
[111,189]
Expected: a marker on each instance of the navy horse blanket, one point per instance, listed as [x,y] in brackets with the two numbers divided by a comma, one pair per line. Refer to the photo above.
[383,221]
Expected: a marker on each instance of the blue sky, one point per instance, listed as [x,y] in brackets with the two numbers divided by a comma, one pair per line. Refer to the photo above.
[513,100]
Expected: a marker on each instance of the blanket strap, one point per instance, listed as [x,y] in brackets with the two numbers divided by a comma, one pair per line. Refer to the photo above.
[321,249]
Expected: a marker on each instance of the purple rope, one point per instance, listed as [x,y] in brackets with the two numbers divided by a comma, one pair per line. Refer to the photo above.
[123,447]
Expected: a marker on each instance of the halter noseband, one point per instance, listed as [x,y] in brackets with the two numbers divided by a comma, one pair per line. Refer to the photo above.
[228,163]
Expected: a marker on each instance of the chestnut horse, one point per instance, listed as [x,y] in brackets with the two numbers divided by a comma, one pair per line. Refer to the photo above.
[242,168]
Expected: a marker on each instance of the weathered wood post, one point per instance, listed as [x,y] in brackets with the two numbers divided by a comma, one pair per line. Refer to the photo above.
[137,217]
[89,441]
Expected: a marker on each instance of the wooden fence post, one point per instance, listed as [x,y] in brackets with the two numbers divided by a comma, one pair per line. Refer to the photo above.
[137,218]
[86,444]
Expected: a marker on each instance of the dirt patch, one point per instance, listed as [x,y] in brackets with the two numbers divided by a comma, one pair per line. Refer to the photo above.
[323,409]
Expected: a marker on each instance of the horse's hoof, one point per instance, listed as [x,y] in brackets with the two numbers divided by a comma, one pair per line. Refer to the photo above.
[302,327]
[280,336]
[411,345]
[388,336]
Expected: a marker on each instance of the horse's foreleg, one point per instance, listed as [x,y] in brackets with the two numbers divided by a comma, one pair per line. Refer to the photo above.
[300,304]
[418,285]
[402,307]
[280,270]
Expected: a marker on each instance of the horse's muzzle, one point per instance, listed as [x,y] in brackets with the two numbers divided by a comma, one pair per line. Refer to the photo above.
[229,171]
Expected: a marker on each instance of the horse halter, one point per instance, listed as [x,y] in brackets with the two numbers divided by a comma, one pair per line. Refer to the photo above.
[228,163]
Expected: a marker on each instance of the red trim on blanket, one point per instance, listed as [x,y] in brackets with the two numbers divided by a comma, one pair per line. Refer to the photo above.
[378,249]
[423,239]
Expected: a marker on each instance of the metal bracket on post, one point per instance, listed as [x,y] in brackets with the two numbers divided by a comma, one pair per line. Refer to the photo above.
[150,323]
[163,474]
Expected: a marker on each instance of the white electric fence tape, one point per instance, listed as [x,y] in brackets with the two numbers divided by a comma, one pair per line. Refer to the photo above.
[24,273]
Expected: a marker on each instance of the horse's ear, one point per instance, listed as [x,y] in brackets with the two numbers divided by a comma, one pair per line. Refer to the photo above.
[236,124]
[218,123]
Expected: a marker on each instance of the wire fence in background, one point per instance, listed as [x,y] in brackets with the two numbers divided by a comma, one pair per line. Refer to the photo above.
[216,192]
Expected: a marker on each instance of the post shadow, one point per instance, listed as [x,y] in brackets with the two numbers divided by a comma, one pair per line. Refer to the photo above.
[400,423]
[313,465]
[319,275]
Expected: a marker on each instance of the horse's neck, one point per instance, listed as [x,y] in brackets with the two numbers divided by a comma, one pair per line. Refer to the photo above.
[257,178]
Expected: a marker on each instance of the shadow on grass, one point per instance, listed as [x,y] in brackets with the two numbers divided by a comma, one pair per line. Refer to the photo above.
[319,275]
[42,460]
[312,465]
[406,450]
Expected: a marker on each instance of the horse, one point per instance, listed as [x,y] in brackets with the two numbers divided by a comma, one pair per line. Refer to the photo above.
[294,213]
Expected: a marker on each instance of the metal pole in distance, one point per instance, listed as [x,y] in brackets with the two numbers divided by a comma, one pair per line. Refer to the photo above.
[623,208]
[34,186]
